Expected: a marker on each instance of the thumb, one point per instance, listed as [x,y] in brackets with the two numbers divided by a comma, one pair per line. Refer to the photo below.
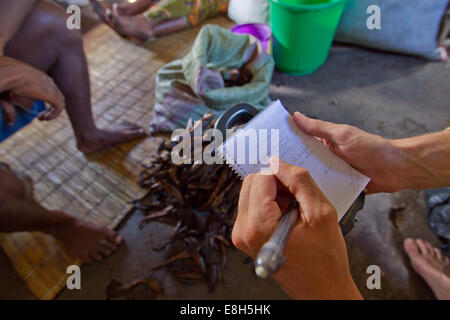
[301,184]
[9,111]
[314,127]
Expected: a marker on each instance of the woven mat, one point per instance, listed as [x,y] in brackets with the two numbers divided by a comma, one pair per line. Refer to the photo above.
[97,188]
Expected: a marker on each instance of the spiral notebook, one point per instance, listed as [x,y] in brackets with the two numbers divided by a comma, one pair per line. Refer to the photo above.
[273,133]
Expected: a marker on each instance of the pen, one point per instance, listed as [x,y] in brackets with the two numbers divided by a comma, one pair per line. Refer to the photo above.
[271,255]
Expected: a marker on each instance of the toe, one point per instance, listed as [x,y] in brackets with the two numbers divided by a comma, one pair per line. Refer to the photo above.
[118,240]
[104,252]
[134,134]
[96,256]
[411,247]
[106,247]
[430,248]
[423,247]
[130,127]
[130,134]
[87,259]
[446,261]
[438,254]
[114,238]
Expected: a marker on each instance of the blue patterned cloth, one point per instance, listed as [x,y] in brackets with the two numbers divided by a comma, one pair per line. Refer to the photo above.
[23,118]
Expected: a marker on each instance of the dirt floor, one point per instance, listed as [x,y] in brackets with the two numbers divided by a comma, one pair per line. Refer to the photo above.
[391,95]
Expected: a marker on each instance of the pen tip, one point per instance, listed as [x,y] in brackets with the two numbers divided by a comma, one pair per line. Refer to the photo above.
[261,272]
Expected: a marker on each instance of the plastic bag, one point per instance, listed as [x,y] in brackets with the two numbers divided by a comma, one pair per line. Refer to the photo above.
[189,87]
[249,11]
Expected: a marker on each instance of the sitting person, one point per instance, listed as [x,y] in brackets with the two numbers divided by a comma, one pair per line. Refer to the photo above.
[43,67]
[145,19]
[34,39]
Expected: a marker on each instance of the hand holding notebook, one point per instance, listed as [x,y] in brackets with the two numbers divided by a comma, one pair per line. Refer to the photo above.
[340,183]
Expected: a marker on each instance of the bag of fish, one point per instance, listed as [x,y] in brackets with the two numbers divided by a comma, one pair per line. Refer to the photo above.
[221,70]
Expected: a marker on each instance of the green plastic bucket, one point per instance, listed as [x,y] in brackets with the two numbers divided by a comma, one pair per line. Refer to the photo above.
[303,31]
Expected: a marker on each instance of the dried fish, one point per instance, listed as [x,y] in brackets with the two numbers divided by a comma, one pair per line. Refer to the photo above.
[158,214]
[201,198]
[173,191]
[182,255]
[219,185]
[213,275]
[146,288]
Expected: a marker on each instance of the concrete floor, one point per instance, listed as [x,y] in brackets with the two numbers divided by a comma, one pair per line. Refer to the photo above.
[394,96]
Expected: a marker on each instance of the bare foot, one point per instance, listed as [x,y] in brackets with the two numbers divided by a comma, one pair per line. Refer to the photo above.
[20,212]
[104,138]
[85,240]
[136,27]
[431,265]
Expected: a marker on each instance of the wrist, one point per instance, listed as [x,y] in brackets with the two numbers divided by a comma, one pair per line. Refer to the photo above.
[384,165]
[415,166]
[396,165]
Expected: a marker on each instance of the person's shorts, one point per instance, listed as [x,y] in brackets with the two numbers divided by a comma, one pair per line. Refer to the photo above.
[23,118]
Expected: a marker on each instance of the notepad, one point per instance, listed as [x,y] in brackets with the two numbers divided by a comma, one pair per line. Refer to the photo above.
[278,135]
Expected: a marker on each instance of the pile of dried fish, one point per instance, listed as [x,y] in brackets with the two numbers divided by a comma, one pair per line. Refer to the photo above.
[142,289]
[202,200]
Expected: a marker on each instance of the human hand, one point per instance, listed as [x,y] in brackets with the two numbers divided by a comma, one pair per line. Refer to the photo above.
[20,82]
[317,263]
[370,154]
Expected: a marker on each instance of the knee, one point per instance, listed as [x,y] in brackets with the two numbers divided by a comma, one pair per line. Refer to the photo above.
[11,186]
[52,20]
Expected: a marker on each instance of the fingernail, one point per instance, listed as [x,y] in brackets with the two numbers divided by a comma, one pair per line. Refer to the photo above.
[274,161]
[271,161]
[298,114]
[119,240]
[274,164]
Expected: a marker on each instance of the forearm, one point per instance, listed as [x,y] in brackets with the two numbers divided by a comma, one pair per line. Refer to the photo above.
[424,161]
[9,78]
[12,14]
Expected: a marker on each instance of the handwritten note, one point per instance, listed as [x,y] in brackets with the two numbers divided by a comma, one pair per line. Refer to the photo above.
[340,183]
